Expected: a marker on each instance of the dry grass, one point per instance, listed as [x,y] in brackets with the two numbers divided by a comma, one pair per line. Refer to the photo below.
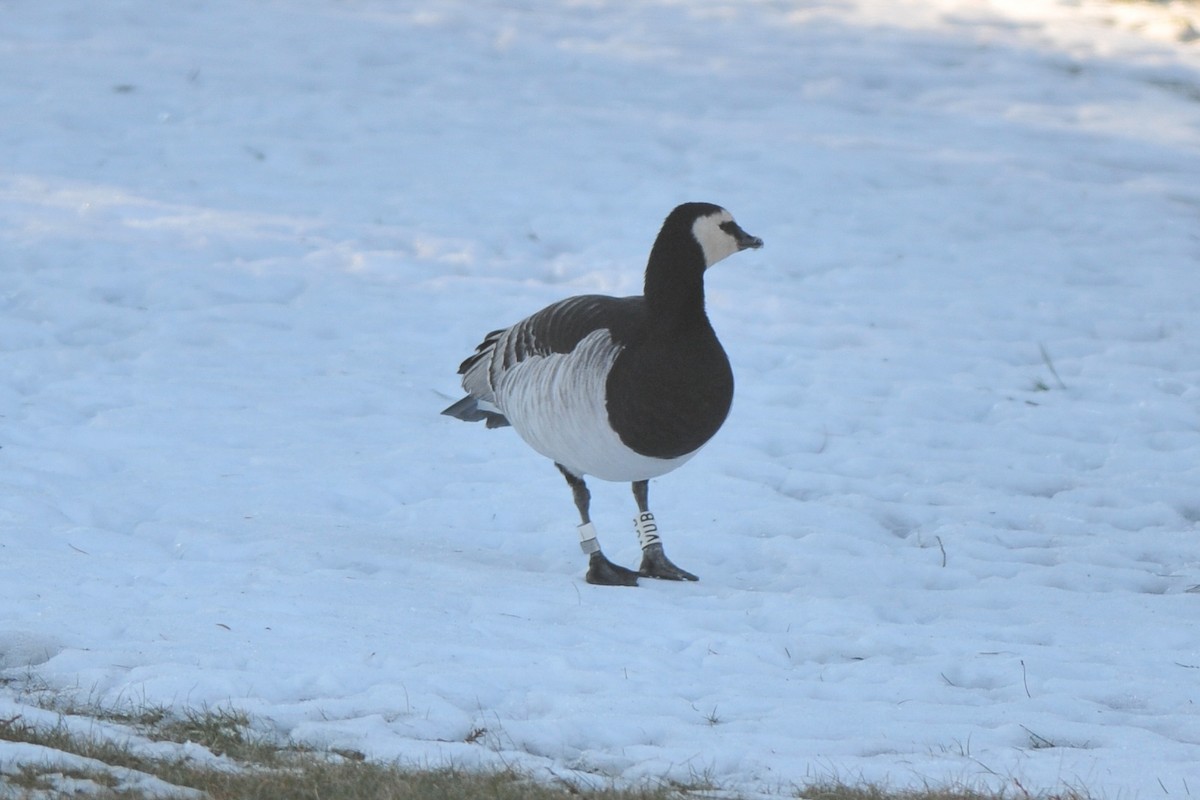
[112,760]
[254,768]
[842,791]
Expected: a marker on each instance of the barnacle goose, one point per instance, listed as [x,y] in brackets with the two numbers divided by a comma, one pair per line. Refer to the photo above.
[623,389]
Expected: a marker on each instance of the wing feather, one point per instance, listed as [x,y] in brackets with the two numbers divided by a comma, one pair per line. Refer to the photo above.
[557,328]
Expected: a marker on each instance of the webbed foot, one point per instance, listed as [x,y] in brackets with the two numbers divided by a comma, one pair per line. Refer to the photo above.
[603,572]
[655,564]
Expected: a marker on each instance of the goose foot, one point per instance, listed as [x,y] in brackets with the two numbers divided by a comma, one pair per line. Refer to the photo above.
[655,564]
[603,572]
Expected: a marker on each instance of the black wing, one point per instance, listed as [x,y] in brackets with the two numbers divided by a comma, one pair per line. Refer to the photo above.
[558,328]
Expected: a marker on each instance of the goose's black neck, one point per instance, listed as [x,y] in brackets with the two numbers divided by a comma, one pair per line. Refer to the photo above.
[674,287]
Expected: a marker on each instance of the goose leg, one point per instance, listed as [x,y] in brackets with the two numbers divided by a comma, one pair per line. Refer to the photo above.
[655,563]
[601,571]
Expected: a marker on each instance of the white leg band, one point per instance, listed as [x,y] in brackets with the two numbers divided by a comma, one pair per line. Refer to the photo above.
[587,538]
[647,529]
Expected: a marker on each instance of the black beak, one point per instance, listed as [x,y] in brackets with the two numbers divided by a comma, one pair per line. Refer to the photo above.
[744,240]
[747,242]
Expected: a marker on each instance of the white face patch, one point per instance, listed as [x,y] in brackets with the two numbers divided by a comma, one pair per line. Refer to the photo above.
[715,242]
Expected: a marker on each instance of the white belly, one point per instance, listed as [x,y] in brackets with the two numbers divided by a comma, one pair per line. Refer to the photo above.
[557,404]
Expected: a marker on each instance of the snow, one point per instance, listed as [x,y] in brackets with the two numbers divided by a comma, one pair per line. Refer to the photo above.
[951,531]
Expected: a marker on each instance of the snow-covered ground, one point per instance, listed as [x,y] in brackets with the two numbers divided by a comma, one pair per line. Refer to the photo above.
[951,531]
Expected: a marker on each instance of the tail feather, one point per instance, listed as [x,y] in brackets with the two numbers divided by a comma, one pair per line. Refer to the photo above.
[468,410]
